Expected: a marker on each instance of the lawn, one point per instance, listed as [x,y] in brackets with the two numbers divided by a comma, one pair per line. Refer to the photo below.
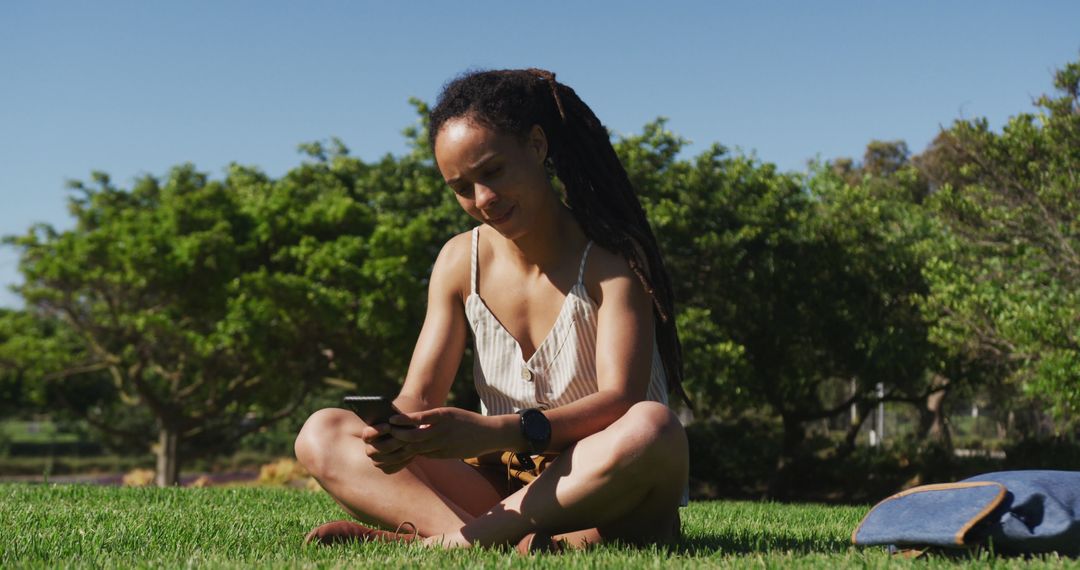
[50,526]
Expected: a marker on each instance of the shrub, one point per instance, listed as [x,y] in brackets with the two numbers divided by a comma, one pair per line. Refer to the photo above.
[733,458]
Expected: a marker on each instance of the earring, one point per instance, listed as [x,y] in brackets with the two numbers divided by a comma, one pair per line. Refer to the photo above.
[549,164]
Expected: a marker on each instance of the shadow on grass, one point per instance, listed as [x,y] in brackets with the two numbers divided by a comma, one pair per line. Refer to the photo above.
[765,543]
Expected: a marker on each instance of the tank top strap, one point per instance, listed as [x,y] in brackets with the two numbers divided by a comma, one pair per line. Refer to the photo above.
[584,256]
[474,259]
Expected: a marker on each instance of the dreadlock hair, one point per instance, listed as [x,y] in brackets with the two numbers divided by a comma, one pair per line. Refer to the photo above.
[598,190]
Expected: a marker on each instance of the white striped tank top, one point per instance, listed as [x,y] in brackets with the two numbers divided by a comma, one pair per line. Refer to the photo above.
[563,368]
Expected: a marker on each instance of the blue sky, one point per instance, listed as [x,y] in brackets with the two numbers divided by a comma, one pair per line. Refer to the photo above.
[136,87]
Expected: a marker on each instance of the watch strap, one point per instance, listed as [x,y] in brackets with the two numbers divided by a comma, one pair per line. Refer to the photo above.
[525,460]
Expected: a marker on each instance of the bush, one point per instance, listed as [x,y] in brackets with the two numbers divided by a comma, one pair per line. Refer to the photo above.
[738,458]
[71,465]
[45,449]
[1043,453]
[733,458]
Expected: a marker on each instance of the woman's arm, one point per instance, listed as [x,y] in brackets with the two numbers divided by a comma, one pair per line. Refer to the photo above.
[624,350]
[438,350]
[435,358]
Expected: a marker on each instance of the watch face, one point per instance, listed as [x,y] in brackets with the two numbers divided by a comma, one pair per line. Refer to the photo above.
[536,426]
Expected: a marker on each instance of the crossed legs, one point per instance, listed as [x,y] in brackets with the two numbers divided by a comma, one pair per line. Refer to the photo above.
[623,482]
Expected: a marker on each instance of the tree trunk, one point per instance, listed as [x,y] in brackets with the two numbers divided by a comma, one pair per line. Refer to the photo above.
[932,422]
[858,418]
[168,460]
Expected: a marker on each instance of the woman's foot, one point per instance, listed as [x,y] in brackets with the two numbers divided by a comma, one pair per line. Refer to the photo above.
[348,531]
[532,543]
[538,543]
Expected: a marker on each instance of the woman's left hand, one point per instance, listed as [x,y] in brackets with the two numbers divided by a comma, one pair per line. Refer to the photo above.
[449,433]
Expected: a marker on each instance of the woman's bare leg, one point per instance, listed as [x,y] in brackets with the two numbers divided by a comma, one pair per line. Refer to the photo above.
[626,481]
[437,495]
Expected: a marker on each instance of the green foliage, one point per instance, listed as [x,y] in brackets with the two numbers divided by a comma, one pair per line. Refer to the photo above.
[1045,453]
[29,349]
[1006,288]
[48,467]
[14,392]
[786,285]
[734,459]
[212,308]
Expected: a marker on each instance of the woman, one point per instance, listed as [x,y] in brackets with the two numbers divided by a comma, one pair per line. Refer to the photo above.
[571,314]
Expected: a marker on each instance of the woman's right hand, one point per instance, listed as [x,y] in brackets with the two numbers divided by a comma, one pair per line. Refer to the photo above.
[390,455]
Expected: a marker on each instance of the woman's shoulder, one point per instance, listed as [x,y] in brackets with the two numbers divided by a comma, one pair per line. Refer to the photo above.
[457,247]
[451,270]
[604,267]
[603,263]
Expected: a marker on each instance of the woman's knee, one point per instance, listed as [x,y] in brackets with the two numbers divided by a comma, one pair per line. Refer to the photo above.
[316,440]
[653,421]
[650,431]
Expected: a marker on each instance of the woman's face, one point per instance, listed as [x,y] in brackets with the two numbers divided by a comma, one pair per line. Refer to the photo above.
[498,179]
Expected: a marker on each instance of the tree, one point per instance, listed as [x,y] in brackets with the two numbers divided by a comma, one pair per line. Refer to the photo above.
[910,237]
[213,308]
[1007,287]
[785,285]
[16,392]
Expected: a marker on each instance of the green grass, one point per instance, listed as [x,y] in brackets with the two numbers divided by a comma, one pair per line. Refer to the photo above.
[83,526]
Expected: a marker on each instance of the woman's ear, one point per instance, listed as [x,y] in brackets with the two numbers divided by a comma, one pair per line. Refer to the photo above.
[537,143]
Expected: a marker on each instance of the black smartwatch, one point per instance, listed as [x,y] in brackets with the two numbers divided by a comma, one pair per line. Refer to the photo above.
[536,429]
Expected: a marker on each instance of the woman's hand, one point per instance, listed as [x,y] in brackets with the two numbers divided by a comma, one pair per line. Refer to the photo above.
[389,454]
[448,433]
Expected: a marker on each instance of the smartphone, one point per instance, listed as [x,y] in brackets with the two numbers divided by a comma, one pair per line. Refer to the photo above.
[372,409]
